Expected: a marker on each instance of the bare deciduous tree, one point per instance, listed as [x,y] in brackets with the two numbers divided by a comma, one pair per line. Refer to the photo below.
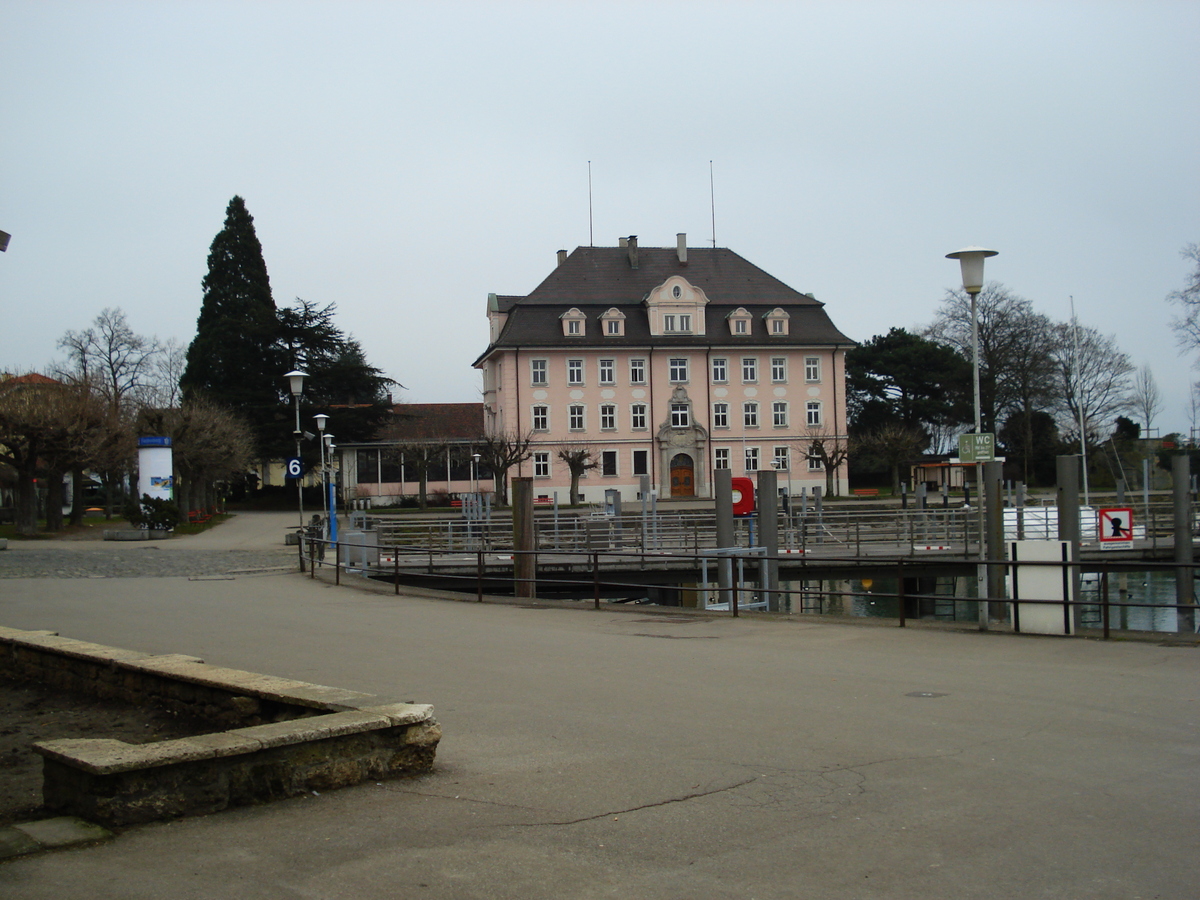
[1187,324]
[1145,399]
[831,449]
[47,427]
[1016,369]
[503,451]
[1094,375]
[109,355]
[210,445]
[579,459]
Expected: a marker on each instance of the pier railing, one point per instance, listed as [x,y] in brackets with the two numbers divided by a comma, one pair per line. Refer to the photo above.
[690,577]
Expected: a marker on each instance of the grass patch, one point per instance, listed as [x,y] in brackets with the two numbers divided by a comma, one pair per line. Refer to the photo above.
[198,527]
[89,522]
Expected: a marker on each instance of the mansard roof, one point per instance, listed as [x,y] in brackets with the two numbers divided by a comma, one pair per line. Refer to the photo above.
[595,279]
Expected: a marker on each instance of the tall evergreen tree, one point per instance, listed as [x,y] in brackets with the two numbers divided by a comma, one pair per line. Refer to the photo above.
[233,360]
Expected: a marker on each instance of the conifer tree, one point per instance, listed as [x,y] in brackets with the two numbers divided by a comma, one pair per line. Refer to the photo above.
[233,360]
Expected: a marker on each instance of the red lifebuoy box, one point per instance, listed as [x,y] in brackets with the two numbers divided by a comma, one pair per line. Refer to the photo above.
[743,496]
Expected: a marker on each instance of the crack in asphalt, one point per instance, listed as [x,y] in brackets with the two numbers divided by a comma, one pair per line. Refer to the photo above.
[632,809]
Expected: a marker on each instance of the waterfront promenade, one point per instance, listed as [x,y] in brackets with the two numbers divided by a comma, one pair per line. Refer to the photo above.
[637,754]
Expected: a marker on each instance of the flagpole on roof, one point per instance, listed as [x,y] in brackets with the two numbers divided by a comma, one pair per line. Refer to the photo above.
[591,236]
[712,203]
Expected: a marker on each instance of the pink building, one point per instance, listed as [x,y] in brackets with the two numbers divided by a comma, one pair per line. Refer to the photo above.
[669,363]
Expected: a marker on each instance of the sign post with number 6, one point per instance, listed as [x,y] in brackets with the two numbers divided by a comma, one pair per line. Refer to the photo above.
[295,467]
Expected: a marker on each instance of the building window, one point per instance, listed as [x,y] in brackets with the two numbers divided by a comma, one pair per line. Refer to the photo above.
[576,422]
[637,417]
[637,371]
[750,414]
[614,322]
[606,371]
[608,462]
[608,417]
[778,369]
[680,415]
[814,464]
[779,415]
[721,458]
[641,462]
[668,323]
[685,323]
[750,369]
[812,368]
[741,326]
[541,418]
[720,371]
[781,460]
[720,415]
[574,371]
[777,322]
[679,370]
[751,459]
[574,326]
[541,465]
[537,372]
[813,413]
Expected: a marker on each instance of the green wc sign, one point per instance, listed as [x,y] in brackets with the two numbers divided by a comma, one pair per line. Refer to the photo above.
[975,448]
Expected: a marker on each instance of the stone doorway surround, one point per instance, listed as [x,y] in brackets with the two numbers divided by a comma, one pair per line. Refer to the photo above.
[691,439]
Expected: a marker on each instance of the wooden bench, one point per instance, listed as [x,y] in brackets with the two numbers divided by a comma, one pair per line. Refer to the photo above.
[456,504]
[865,492]
[198,517]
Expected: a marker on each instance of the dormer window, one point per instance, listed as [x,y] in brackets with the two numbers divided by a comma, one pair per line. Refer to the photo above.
[573,322]
[739,321]
[676,307]
[612,323]
[777,322]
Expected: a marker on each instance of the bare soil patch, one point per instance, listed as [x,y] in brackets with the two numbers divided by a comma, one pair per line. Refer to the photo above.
[30,713]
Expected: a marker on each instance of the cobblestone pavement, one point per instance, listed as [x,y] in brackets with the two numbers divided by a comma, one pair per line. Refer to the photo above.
[145,562]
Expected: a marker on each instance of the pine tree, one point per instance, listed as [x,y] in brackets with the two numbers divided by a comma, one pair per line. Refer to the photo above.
[233,360]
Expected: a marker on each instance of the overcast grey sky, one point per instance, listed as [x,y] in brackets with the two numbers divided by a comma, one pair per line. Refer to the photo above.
[403,160]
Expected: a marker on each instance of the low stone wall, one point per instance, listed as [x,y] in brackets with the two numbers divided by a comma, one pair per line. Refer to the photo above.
[281,737]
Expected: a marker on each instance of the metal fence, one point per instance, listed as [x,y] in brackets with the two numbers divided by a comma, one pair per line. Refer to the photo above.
[900,531]
[589,574]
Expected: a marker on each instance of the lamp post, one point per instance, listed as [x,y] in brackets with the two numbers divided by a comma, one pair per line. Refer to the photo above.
[296,385]
[970,260]
[475,472]
[321,419]
[332,493]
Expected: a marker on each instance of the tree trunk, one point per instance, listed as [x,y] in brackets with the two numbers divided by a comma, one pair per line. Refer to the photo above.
[54,504]
[575,498]
[26,498]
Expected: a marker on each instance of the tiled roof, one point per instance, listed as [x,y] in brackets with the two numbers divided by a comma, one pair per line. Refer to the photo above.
[597,278]
[31,378]
[603,275]
[434,422]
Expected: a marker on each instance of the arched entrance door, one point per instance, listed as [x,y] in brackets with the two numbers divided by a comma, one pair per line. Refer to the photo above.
[683,480]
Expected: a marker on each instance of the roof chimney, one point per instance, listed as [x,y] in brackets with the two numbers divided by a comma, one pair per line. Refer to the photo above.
[622,242]
[681,247]
[562,257]
[633,261]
